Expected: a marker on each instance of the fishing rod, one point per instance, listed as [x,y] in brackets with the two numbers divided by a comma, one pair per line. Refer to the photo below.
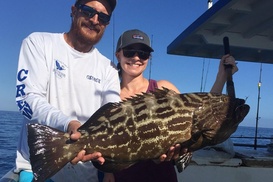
[150,69]
[113,34]
[202,76]
[210,3]
[258,108]
[204,80]
[230,84]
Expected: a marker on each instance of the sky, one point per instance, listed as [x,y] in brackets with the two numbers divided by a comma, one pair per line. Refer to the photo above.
[163,21]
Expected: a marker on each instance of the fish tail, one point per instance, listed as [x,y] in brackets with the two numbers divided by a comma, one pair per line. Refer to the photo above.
[48,153]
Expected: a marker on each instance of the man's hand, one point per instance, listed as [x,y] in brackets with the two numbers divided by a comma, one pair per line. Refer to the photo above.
[75,135]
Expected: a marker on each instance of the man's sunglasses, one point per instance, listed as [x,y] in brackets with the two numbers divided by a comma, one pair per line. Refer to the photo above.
[141,54]
[91,12]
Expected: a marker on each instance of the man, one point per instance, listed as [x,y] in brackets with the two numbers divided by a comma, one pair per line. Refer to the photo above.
[62,80]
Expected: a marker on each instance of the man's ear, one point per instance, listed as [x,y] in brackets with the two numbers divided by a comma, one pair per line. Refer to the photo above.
[73,11]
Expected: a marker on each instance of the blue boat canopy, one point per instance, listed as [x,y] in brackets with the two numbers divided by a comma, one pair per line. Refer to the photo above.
[247,23]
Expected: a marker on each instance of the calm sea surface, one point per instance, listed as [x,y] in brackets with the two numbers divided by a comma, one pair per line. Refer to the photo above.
[10,124]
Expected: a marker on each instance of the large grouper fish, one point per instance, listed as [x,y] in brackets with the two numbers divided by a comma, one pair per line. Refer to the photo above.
[139,128]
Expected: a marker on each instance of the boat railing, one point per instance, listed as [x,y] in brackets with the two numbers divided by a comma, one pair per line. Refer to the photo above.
[254,145]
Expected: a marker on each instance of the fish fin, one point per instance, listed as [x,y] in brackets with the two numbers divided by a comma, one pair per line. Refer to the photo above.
[45,158]
[241,111]
[183,161]
[195,137]
[157,93]
[112,166]
[102,111]
[113,107]
[163,92]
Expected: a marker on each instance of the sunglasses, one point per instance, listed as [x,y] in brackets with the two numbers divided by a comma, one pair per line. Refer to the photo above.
[91,12]
[141,54]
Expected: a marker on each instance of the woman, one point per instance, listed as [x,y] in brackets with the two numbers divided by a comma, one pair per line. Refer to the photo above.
[133,52]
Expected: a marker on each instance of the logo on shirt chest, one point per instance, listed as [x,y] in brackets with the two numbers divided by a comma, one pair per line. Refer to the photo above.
[59,69]
[92,78]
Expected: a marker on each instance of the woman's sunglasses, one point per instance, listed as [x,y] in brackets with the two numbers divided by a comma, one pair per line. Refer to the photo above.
[91,12]
[141,54]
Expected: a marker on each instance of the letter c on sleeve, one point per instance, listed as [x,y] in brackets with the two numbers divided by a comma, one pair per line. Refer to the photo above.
[22,75]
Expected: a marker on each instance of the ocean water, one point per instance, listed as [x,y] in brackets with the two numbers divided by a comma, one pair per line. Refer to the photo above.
[246,135]
[10,124]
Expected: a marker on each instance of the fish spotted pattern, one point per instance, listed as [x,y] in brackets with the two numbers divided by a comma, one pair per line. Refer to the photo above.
[140,128]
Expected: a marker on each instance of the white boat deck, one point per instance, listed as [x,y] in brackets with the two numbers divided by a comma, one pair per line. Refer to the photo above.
[213,173]
[247,165]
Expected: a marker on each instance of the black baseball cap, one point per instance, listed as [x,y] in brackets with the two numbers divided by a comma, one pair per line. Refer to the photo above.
[134,36]
[112,3]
